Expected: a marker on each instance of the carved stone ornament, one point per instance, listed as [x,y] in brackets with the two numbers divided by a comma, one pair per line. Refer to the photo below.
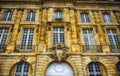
[94,58]
[23,58]
[118,58]
[59,53]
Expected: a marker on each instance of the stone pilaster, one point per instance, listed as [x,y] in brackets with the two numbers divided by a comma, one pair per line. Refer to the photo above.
[117,15]
[66,15]
[50,14]
[113,17]
[24,16]
[91,17]
[101,34]
[41,65]
[12,43]
[73,26]
[1,13]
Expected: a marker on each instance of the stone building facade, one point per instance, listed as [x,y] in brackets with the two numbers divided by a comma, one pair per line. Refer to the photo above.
[59,38]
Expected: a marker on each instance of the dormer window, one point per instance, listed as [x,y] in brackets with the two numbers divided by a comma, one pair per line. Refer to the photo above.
[30,16]
[58,15]
[85,17]
[7,16]
[107,18]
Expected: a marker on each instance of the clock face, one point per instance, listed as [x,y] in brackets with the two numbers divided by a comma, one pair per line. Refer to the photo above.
[59,67]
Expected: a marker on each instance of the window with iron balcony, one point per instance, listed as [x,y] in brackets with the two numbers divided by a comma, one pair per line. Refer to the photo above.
[3,38]
[27,41]
[89,42]
[113,40]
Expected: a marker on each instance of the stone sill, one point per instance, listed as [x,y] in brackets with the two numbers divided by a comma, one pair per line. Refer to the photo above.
[6,22]
[106,24]
[23,53]
[86,24]
[68,53]
[27,23]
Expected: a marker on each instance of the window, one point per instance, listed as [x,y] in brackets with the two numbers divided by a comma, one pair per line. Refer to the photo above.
[27,39]
[22,69]
[89,40]
[85,17]
[114,39]
[118,67]
[58,35]
[7,16]
[107,18]
[30,16]
[3,37]
[94,69]
[58,15]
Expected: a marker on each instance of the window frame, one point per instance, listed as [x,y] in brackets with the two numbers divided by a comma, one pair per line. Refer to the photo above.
[28,34]
[58,33]
[29,16]
[118,70]
[85,17]
[22,69]
[107,17]
[113,46]
[94,72]
[7,15]
[58,15]
[3,34]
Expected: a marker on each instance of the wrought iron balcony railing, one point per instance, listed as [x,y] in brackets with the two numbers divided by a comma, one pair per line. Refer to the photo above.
[91,48]
[2,47]
[26,48]
[114,48]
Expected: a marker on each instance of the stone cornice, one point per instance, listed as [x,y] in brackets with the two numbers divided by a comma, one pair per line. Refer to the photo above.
[98,2]
[74,1]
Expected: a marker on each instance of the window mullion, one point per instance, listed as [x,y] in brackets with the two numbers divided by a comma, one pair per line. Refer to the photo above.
[7,16]
[1,35]
[30,16]
[84,18]
[22,71]
[94,69]
[58,14]
[59,35]
[27,37]
[89,43]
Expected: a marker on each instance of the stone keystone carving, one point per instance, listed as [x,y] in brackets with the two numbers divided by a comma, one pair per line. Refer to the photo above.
[94,58]
[59,52]
[23,58]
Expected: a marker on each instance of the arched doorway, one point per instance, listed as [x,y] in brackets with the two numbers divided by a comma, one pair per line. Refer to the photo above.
[59,69]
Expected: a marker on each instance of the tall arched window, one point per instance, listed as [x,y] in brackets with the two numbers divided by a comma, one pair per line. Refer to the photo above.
[94,69]
[118,68]
[30,16]
[22,69]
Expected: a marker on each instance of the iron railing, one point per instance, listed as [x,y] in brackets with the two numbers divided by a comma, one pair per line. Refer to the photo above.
[2,47]
[91,48]
[114,48]
[25,48]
